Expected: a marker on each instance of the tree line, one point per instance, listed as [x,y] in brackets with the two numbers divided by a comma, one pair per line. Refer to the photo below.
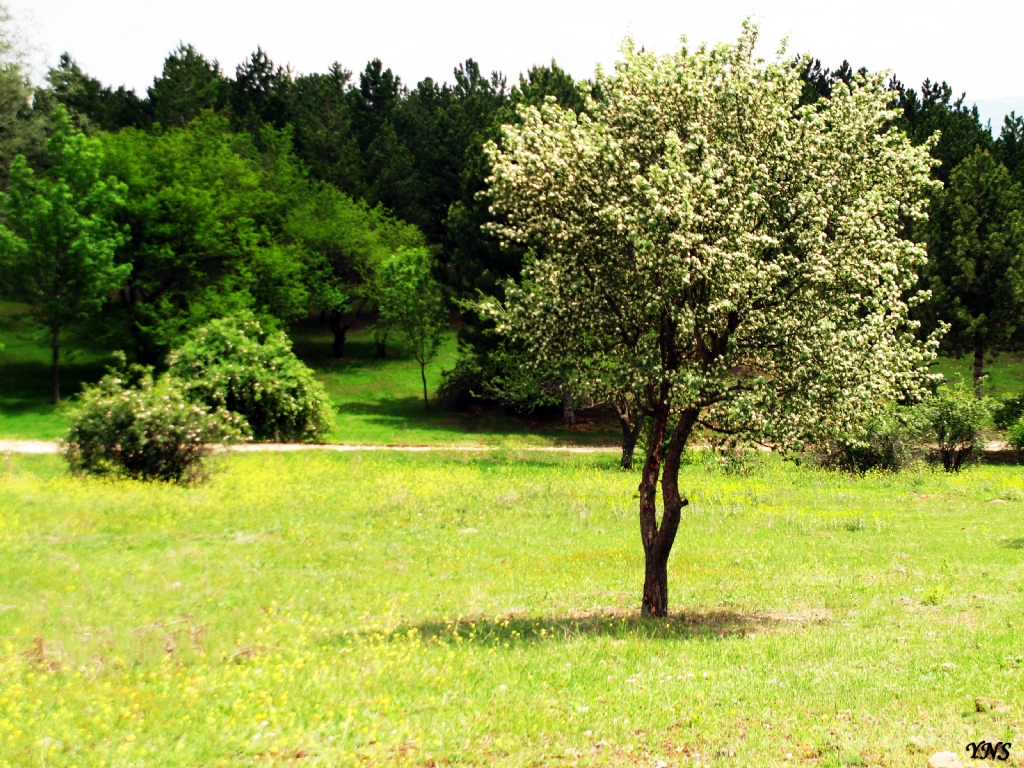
[276,192]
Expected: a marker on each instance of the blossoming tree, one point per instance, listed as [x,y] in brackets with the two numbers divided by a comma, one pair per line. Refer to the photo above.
[730,256]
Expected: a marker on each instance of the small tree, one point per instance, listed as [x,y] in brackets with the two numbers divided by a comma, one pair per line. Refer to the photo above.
[412,302]
[955,419]
[58,238]
[707,242]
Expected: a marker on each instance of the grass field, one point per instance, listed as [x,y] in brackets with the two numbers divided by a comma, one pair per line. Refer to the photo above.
[384,609]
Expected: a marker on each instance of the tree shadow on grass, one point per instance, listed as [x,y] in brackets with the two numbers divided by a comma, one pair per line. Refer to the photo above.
[688,624]
[409,413]
[1014,543]
[25,385]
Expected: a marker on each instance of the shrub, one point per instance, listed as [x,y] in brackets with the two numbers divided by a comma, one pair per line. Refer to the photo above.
[1008,411]
[1015,435]
[884,443]
[955,417]
[459,385]
[145,430]
[241,366]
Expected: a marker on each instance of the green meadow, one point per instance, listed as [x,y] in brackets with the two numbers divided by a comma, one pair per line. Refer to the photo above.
[377,400]
[339,609]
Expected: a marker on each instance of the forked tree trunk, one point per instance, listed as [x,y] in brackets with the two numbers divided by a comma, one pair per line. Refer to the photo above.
[658,538]
[56,364]
[630,434]
[979,374]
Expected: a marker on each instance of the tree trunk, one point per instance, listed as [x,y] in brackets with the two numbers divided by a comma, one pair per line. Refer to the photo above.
[568,413]
[658,539]
[338,328]
[979,374]
[381,342]
[423,375]
[630,434]
[56,364]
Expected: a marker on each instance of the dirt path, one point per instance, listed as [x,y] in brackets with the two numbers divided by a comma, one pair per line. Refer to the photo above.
[45,446]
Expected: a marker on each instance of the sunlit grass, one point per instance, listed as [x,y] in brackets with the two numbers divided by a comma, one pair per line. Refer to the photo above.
[386,609]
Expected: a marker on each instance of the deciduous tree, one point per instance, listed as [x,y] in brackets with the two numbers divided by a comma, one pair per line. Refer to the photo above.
[58,239]
[412,301]
[711,244]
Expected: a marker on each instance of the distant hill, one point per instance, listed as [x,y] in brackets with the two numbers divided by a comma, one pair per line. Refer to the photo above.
[996,109]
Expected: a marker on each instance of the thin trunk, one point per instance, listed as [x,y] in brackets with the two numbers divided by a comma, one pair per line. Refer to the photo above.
[630,434]
[423,375]
[56,364]
[381,342]
[568,412]
[658,539]
[338,328]
[979,359]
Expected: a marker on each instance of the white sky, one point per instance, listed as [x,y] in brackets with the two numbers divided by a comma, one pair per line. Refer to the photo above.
[973,46]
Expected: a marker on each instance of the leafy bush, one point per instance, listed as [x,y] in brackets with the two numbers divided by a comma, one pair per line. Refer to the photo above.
[1015,434]
[460,384]
[239,365]
[1008,411]
[884,443]
[955,417]
[145,430]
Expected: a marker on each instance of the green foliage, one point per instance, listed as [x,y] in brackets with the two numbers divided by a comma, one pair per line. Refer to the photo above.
[976,264]
[936,111]
[130,425]
[241,366]
[1015,434]
[94,105]
[885,442]
[323,131]
[260,93]
[59,238]
[205,208]
[344,242]
[1006,412]
[955,417]
[412,301]
[188,85]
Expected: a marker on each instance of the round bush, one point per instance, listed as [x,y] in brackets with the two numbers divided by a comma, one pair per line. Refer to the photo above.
[148,431]
[883,444]
[241,366]
[956,417]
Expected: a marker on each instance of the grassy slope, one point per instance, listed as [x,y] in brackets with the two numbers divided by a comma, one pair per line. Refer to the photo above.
[25,409]
[1006,373]
[412,609]
[378,401]
[381,401]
